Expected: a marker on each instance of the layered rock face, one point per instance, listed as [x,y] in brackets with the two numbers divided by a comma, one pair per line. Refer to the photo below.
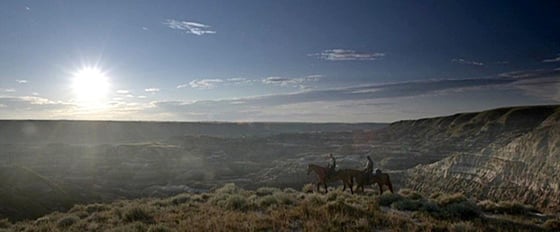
[513,154]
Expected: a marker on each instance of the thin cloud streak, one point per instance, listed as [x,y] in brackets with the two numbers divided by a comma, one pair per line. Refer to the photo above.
[152,90]
[468,62]
[189,27]
[552,60]
[525,81]
[203,84]
[347,55]
[292,82]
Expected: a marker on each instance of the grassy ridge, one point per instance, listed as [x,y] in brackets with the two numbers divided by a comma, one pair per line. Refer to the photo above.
[231,208]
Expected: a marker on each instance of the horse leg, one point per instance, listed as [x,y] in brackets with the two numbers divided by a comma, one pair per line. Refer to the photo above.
[380,188]
[390,187]
[318,186]
[326,189]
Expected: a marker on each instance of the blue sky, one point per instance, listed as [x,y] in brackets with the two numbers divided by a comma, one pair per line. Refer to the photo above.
[313,61]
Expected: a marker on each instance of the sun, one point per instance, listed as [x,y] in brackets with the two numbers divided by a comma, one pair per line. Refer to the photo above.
[90,86]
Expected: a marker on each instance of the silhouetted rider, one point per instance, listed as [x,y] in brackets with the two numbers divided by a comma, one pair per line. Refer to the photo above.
[332,166]
[369,165]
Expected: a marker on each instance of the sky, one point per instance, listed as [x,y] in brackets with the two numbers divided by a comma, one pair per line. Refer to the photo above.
[304,61]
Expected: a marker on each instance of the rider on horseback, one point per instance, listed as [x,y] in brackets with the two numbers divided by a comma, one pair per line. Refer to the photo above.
[332,166]
[369,165]
[369,168]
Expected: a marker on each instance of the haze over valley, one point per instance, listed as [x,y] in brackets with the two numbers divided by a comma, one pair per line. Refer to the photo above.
[52,165]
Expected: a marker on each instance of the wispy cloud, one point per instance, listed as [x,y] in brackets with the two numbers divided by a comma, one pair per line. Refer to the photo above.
[468,62]
[211,83]
[189,27]
[9,90]
[552,60]
[32,103]
[239,81]
[152,90]
[293,82]
[21,81]
[347,54]
[202,84]
[327,101]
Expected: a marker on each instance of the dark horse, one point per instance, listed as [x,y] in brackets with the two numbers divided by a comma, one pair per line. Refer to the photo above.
[324,176]
[369,178]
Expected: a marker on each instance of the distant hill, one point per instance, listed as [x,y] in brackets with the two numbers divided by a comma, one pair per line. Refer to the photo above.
[506,153]
[100,132]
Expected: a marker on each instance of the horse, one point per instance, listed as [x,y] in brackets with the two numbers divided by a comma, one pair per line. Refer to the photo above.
[379,178]
[324,176]
[347,176]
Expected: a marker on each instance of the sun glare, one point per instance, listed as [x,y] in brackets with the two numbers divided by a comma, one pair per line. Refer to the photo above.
[90,86]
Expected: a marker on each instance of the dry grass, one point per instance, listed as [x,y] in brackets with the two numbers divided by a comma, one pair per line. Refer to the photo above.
[231,208]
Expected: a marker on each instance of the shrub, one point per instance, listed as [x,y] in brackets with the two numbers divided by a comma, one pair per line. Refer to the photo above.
[464,210]
[267,201]
[229,188]
[290,190]
[308,188]
[133,227]
[200,197]
[431,208]
[67,221]
[81,214]
[284,198]
[180,199]
[336,195]
[236,202]
[138,214]
[340,207]
[315,200]
[410,194]
[159,228]
[42,220]
[96,208]
[462,227]
[506,207]
[552,224]
[514,207]
[487,206]
[446,199]
[5,223]
[407,204]
[435,195]
[97,217]
[266,191]
[387,199]
[77,208]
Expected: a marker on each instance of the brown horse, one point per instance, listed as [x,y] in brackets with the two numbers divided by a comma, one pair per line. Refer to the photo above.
[369,178]
[324,176]
[347,176]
